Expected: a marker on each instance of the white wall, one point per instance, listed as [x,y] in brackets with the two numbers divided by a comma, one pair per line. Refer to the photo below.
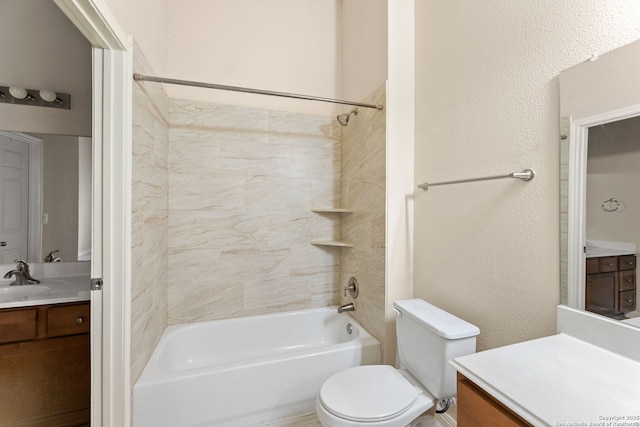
[147,21]
[279,45]
[42,49]
[487,102]
[363,47]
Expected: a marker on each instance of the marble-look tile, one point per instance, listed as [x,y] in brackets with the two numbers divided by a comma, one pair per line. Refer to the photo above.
[149,238]
[363,183]
[194,266]
[195,114]
[210,192]
[204,302]
[241,187]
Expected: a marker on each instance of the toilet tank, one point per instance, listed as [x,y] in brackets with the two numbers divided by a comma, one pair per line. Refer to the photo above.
[428,338]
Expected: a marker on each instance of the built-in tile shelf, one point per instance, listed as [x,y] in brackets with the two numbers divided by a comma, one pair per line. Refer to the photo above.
[340,211]
[335,243]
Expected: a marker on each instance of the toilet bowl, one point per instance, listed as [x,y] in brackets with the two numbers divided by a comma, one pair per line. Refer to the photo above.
[383,396]
[374,395]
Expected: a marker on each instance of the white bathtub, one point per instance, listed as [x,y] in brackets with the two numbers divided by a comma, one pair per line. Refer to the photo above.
[248,370]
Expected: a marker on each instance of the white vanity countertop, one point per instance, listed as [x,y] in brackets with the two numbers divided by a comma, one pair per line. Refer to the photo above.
[600,248]
[53,290]
[559,380]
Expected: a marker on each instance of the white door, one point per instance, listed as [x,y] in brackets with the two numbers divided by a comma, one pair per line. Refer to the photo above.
[14,199]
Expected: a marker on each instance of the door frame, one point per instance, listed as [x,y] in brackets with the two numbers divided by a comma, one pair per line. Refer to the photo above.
[111,222]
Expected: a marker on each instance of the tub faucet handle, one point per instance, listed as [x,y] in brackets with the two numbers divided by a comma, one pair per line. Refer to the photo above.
[352,287]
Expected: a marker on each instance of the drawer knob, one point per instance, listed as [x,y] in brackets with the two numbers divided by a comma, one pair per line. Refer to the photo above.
[629,280]
[610,265]
[629,301]
[79,320]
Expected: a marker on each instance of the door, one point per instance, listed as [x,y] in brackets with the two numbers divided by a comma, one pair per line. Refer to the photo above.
[14,199]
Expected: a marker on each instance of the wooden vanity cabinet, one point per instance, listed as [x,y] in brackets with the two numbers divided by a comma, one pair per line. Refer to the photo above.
[45,366]
[611,285]
[476,408]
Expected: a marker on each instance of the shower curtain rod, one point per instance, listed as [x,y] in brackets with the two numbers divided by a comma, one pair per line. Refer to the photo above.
[142,77]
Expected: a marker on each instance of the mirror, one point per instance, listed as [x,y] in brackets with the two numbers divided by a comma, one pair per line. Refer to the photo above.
[45,197]
[600,204]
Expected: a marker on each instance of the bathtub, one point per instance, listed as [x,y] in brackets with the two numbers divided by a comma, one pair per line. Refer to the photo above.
[247,371]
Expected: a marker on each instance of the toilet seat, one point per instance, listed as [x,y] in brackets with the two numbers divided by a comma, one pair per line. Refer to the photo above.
[367,393]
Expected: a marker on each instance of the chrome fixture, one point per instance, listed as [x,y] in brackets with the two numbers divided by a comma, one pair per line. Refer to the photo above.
[525,175]
[141,77]
[39,98]
[352,287]
[343,119]
[52,258]
[21,273]
[346,307]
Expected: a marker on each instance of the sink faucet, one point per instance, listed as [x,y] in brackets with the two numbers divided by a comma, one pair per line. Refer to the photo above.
[347,307]
[21,273]
[52,258]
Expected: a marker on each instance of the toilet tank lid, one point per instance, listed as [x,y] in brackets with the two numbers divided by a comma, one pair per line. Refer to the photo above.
[437,320]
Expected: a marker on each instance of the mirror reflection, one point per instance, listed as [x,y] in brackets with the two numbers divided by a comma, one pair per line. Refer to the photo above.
[612,229]
[45,197]
[600,173]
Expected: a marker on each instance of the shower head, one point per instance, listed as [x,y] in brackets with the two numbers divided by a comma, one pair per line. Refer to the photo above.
[343,119]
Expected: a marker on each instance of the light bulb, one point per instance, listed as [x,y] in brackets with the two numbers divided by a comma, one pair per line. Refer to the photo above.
[48,95]
[18,92]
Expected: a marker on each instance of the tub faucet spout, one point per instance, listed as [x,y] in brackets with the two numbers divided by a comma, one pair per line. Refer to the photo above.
[347,307]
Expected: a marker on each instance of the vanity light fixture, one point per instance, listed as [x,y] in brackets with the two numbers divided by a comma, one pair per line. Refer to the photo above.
[49,96]
[39,98]
[20,93]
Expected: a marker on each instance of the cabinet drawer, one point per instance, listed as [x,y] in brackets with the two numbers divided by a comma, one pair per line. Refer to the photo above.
[627,301]
[68,320]
[627,280]
[607,264]
[593,265]
[17,325]
[627,262]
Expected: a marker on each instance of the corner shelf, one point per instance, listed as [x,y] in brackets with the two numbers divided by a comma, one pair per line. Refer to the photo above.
[334,243]
[340,211]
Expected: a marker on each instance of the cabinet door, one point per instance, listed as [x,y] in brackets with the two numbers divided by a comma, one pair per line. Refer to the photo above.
[476,408]
[602,293]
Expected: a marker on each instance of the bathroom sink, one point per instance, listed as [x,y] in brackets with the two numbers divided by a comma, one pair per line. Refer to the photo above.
[11,292]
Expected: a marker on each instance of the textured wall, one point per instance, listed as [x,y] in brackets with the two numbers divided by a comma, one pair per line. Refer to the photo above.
[243,182]
[487,98]
[149,240]
[363,191]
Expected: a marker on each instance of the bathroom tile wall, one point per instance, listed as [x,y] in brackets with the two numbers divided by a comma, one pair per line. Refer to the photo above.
[242,183]
[363,190]
[149,240]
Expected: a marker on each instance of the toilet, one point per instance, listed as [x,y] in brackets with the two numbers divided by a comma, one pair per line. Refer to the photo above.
[383,396]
